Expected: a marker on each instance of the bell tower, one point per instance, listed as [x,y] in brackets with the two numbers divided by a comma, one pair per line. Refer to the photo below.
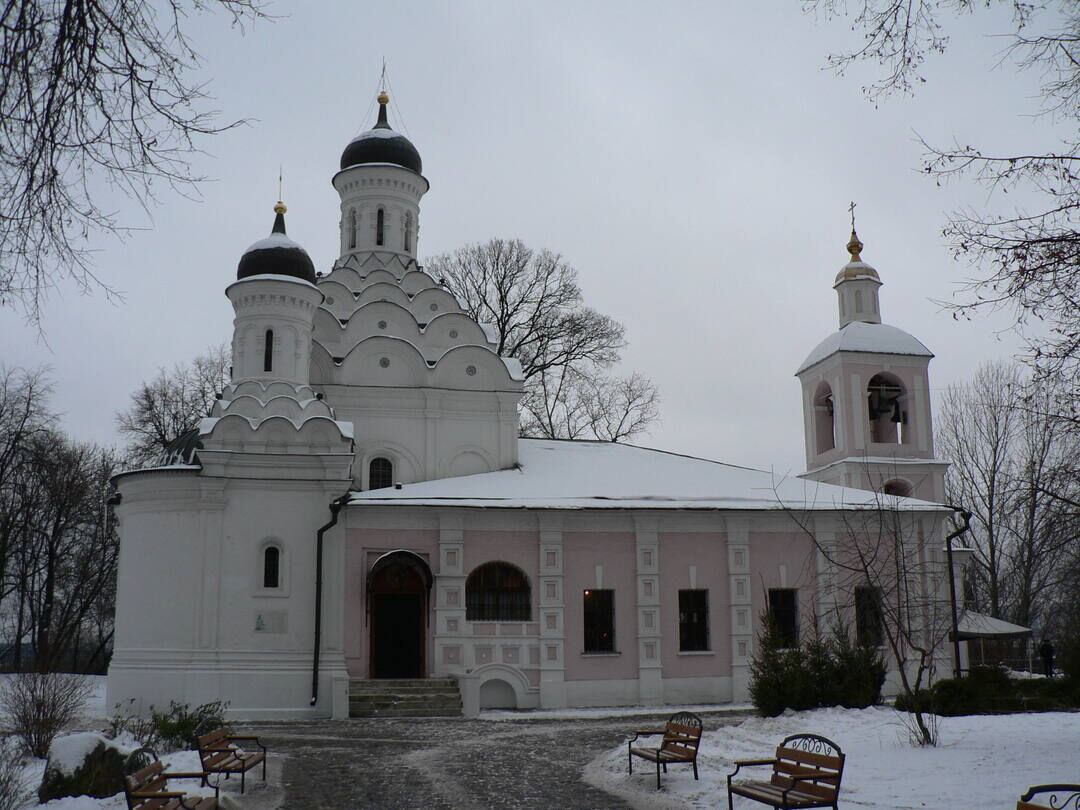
[866,397]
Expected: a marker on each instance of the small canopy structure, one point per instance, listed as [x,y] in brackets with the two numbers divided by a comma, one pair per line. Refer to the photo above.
[974,625]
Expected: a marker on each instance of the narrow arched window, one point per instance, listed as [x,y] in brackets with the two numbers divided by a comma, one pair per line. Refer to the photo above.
[407,241]
[497,592]
[380,473]
[271,567]
[268,351]
[352,229]
[858,301]
[824,425]
[380,223]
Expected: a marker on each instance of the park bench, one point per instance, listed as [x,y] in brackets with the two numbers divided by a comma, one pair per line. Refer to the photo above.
[147,789]
[806,773]
[220,754]
[1045,797]
[682,734]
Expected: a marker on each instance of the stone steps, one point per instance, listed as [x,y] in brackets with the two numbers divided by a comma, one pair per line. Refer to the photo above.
[400,697]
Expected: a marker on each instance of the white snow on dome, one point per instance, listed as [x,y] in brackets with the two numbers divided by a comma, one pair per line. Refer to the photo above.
[866,337]
[856,270]
[376,133]
[274,240]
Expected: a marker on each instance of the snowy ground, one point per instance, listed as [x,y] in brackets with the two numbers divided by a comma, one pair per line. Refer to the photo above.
[96,716]
[982,761]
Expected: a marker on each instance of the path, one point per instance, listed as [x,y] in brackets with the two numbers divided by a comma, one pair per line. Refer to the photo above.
[449,764]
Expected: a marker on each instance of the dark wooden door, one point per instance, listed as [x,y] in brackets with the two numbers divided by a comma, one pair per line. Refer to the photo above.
[397,635]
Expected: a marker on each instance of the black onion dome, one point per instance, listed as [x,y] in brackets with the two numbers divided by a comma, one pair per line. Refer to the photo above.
[276,255]
[181,450]
[380,144]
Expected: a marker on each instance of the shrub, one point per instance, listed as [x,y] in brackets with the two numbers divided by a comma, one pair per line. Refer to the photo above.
[989,690]
[860,672]
[14,792]
[767,673]
[817,673]
[83,764]
[39,706]
[176,728]
[1069,656]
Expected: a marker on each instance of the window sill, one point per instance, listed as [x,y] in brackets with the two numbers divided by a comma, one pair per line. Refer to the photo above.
[614,654]
[270,593]
[696,652]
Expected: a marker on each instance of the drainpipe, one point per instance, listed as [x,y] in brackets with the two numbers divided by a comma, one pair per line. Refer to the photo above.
[335,509]
[965,515]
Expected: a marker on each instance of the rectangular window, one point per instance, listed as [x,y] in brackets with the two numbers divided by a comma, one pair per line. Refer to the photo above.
[599,620]
[784,614]
[693,620]
[869,631]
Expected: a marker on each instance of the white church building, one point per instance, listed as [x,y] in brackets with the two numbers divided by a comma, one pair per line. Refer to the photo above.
[359,504]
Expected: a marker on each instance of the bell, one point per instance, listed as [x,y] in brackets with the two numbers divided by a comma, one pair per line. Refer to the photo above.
[896,417]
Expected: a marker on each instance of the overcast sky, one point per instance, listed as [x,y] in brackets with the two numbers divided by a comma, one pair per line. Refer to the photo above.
[692,160]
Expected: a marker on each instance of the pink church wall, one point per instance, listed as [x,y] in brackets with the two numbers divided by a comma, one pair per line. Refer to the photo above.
[515,547]
[783,560]
[707,551]
[614,553]
[362,548]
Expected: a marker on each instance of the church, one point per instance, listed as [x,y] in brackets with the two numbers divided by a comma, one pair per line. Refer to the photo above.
[359,505]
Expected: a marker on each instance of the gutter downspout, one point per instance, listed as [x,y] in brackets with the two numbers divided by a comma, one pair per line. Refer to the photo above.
[335,510]
[965,515]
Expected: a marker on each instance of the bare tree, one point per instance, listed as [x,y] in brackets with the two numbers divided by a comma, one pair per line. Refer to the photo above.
[1013,465]
[1028,260]
[70,550]
[58,549]
[93,95]
[894,555]
[173,403]
[24,418]
[533,301]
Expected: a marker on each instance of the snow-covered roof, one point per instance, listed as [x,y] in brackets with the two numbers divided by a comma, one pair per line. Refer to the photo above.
[274,277]
[555,474]
[866,337]
[977,625]
[894,461]
[274,240]
[855,270]
[376,133]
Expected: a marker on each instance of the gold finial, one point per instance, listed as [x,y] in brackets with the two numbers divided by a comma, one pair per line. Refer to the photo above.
[280,208]
[854,247]
[383,97]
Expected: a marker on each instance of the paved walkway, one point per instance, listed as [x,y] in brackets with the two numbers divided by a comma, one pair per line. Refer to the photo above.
[451,764]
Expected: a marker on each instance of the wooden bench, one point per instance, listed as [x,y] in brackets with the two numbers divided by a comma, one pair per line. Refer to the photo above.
[682,734]
[1047,797]
[220,754]
[806,773]
[147,789]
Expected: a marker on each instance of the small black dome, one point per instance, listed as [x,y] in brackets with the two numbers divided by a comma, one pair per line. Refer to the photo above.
[380,144]
[276,255]
[181,450]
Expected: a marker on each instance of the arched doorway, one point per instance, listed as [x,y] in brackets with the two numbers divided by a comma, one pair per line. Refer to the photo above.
[398,585]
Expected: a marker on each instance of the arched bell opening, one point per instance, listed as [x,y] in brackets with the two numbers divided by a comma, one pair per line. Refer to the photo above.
[897,486]
[824,419]
[398,594]
[886,404]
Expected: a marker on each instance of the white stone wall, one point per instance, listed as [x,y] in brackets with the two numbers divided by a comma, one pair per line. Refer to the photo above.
[193,622]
